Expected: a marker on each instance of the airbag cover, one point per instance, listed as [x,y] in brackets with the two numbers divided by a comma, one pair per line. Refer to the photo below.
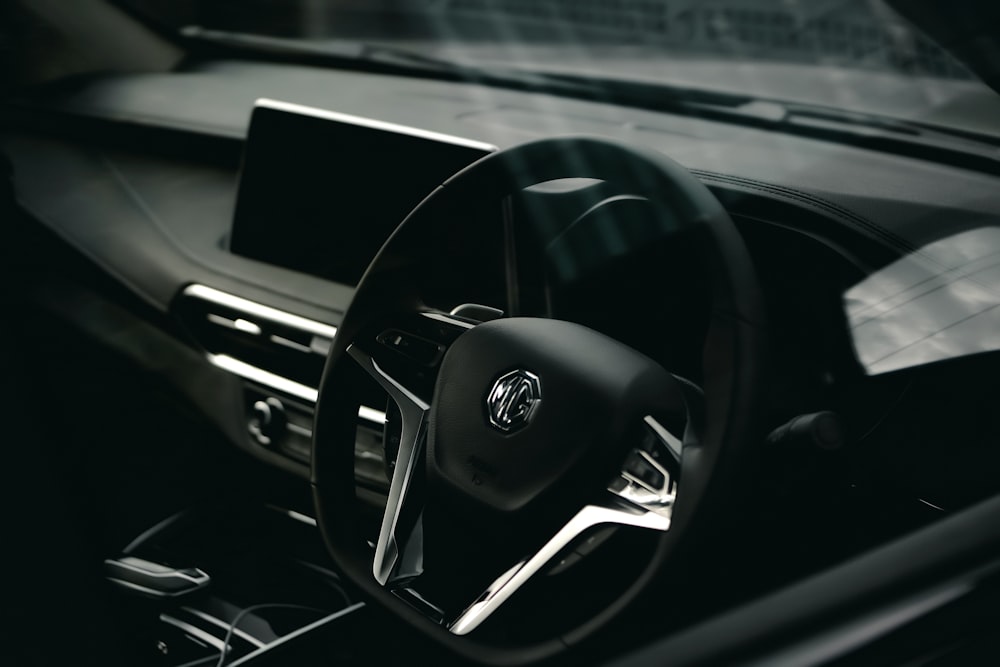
[590,391]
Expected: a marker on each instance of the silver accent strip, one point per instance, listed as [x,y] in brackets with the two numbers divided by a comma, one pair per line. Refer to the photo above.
[657,498]
[930,504]
[292,636]
[511,581]
[239,324]
[441,317]
[290,387]
[457,310]
[292,514]
[413,411]
[268,103]
[290,344]
[153,531]
[299,430]
[302,518]
[372,415]
[248,372]
[321,345]
[165,572]
[635,491]
[253,308]
[209,639]
[219,623]
[668,438]
[634,502]
[246,326]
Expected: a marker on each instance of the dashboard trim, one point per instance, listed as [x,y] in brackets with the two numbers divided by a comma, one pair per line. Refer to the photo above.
[259,310]
[290,387]
[259,375]
[374,124]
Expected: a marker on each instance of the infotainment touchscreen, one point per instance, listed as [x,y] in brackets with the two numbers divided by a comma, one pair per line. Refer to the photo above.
[320,192]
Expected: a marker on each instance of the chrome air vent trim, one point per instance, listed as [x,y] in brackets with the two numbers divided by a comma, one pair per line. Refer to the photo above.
[258,310]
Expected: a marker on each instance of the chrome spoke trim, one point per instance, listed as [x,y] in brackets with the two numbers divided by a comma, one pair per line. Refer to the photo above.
[413,411]
[447,319]
[648,478]
[642,496]
[513,579]
[671,441]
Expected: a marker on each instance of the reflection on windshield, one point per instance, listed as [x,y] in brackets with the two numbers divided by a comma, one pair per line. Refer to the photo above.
[863,34]
[939,303]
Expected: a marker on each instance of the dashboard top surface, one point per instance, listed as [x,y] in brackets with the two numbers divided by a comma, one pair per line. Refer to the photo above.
[159,222]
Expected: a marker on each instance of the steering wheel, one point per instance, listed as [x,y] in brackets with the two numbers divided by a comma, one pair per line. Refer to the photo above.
[530,447]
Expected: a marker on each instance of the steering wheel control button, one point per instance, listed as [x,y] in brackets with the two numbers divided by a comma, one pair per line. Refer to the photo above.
[513,399]
[417,349]
[660,441]
[640,467]
[648,477]
[645,483]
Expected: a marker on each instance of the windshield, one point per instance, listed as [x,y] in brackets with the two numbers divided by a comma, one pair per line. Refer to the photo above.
[857,55]
[847,55]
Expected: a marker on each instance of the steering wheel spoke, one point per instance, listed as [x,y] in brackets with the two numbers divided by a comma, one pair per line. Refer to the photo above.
[612,512]
[413,413]
[641,495]
[404,360]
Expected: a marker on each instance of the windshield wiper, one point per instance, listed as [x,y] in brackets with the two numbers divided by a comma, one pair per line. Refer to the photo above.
[960,148]
[368,55]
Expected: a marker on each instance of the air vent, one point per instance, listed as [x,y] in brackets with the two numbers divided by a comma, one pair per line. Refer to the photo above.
[280,355]
[281,350]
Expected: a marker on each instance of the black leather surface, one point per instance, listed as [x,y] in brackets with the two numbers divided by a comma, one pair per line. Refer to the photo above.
[595,390]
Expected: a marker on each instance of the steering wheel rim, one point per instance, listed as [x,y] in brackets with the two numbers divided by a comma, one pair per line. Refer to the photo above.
[731,359]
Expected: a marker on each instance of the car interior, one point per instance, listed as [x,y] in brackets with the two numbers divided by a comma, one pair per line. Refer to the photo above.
[341,353]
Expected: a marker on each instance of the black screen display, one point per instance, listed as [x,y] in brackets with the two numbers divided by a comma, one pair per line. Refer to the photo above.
[320,192]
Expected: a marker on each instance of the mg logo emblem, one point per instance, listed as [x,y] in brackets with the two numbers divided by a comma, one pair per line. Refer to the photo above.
[513,400]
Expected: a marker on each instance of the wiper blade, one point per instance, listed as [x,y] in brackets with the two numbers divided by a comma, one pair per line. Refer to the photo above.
[766,110]
[966,149]
[329,48]
[376,55]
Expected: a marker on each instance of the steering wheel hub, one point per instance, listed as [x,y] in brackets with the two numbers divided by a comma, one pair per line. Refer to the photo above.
[595,391]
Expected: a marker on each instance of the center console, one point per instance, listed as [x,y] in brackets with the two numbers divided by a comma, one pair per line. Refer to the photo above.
[319,193]
[243,581]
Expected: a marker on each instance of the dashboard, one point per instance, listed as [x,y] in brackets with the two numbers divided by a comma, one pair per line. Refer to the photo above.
[241,226]
[147,185]
[161,172]
[211,225]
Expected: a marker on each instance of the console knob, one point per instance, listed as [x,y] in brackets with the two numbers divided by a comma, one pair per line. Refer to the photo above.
[267,421]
